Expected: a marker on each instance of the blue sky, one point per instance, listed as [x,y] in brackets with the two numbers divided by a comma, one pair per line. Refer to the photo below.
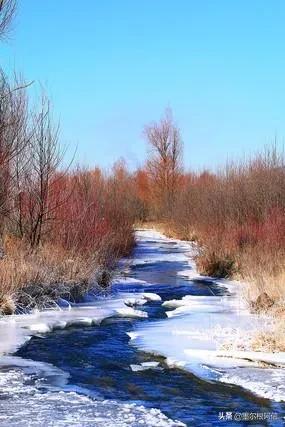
[111,66]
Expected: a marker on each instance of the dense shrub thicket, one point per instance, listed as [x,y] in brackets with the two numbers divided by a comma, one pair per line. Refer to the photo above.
[237,214]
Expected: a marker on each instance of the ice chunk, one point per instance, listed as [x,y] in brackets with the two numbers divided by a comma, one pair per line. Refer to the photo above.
[149,296]
[144,366]
[40,328]
[131,312]
[132,302]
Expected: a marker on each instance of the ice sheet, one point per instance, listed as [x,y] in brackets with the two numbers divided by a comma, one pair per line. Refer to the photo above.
[23,403]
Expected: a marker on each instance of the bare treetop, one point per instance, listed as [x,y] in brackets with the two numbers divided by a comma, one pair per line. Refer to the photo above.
[165,159]
[7,13]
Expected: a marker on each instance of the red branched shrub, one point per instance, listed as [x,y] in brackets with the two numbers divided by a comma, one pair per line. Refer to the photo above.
[94,217]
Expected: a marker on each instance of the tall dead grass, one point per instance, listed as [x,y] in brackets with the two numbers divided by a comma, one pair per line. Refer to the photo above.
[39,278]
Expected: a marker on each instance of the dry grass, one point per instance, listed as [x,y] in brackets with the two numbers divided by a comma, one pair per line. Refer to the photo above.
[270,340]
[262,271]
[265,271]
[217,263]
[29,279]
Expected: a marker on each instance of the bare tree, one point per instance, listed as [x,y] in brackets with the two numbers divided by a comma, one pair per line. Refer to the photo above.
[7,13]
[38,176]
[13,125]
[165,161]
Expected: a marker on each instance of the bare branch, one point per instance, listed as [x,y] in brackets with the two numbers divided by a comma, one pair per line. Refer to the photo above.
[165,160]
[7,13]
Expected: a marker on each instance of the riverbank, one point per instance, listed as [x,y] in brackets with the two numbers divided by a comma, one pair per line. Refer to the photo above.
[160,305]
[42,392]
[38,278]
[217,334]
[235,214]
[262,290]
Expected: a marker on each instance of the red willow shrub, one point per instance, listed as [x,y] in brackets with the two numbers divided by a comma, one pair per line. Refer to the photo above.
[93,217]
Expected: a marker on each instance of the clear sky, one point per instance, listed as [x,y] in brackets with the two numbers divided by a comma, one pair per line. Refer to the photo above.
[111,66]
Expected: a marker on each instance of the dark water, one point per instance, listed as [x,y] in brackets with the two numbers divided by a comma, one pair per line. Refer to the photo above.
[99,358]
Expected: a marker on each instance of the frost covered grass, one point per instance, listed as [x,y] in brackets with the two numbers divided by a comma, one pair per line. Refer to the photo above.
[272,339]
[266,271]
[37,279]
[268,337]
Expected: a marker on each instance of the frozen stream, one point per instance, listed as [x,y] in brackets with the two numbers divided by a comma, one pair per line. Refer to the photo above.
[150,354]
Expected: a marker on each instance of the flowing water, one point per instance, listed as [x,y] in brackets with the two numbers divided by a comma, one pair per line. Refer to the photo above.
[94,375]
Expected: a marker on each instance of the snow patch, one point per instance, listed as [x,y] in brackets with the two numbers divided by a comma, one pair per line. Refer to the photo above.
[144,366]
[149,296]
[133,302]
[131,312]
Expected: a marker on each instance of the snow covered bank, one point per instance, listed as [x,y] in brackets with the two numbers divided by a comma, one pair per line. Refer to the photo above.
[204,334]
[16,329]
[201,333]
